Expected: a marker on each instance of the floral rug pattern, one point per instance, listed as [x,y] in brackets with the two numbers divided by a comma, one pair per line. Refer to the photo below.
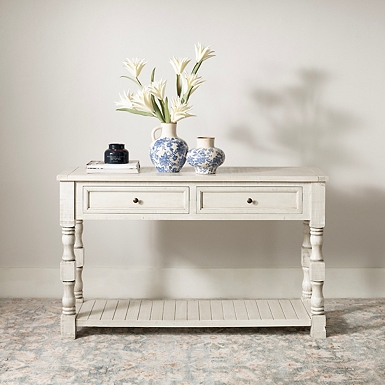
[32,351]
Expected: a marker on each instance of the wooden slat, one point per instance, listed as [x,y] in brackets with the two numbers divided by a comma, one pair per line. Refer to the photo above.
[216,310]
[180,310]
[97,310]
[228,310]
[133,310]
[145,310]
[169,310]
[193,313]
[264,310]
[109,309]
[276,309]
[288,309]
[204,310]
[192,310]
[121,309]
[299,309]
[85,309]
[157,310]
[252,309]
[240,309]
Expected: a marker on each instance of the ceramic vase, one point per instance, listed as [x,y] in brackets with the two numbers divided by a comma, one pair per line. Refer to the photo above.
[205,158]
[168,151]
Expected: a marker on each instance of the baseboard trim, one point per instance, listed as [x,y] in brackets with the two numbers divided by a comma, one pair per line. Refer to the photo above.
[191,283]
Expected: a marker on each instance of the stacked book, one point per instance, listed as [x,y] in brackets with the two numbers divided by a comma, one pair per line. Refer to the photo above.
[97,166]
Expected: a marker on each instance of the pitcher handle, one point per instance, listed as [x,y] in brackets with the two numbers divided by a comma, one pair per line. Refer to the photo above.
[154,131]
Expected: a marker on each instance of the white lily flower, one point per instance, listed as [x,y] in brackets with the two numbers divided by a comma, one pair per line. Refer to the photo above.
[192,81]
[203,53]
[152,101]
[142,101]
[179,64]
[125,100]
[135,66]
[179,110]
[157,89]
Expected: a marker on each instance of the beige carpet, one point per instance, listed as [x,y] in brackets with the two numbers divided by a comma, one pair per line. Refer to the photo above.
[32,352]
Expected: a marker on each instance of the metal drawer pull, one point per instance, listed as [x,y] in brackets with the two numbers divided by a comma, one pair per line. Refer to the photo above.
[135,200]
[249,200]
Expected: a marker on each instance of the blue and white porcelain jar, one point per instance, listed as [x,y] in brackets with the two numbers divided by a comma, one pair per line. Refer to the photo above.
[205,158]
[168,152]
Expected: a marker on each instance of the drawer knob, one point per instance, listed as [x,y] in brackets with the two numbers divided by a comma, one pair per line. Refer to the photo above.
[135,200]
[249,200]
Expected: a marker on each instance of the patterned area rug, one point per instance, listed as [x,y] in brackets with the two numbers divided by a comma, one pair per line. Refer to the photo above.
[32,351]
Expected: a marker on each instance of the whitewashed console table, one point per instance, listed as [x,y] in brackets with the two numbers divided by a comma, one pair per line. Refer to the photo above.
[246,193]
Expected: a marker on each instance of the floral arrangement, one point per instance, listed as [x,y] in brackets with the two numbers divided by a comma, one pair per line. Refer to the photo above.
[151,100]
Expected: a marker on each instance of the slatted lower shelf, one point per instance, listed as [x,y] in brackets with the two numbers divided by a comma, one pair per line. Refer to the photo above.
[193,313]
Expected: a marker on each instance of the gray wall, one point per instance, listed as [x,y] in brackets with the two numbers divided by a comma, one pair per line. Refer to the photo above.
[293,83]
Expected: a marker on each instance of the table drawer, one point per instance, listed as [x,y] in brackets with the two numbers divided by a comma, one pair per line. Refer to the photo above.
[250,200]
[140,200]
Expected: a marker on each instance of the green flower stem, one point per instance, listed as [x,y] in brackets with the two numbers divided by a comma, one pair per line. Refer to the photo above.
[153,75]
[186,96]
[196,67]
[166,111]
[157,110]
[178,85]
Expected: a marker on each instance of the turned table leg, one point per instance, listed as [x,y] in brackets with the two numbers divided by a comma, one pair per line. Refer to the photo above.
[317,278]
[67,275]
[79,255]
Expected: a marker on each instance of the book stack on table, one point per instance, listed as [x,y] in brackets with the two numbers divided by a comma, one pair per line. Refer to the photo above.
[97,166]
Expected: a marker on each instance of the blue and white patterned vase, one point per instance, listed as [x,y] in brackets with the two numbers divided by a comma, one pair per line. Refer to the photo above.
[205,158]
[168,152]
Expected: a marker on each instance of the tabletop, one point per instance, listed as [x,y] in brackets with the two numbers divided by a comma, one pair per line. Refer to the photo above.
[187,174]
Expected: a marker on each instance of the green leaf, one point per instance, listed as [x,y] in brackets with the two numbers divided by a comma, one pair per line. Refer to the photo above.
[132,79]
[153,75]
[137,112]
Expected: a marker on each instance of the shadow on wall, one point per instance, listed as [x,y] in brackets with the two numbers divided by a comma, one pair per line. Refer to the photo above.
[303,125]
[224,245]
[355,225]
[229,244]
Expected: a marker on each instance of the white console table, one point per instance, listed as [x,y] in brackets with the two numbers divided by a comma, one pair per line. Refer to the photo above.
[245,193]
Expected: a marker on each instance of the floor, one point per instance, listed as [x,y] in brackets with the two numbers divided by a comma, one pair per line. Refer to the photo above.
[32,351]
